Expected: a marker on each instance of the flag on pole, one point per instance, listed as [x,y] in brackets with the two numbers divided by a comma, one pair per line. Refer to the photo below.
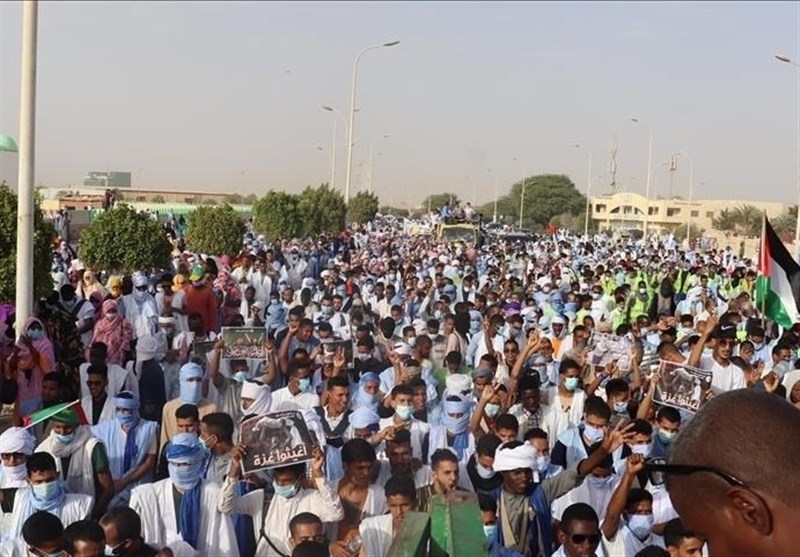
[778,284]
[74,409]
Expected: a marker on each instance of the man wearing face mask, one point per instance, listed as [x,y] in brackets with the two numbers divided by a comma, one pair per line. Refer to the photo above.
[454,433]
[216,439]
[596,491]
[81,459]
[479,466]
[131,443]
[291,498]
[402,403]
[139,308]
[565,401]
[123,535]
[627,527]
[298,394]
[200,299]
[191,386]
[668,421]
[44,492]
[181,511]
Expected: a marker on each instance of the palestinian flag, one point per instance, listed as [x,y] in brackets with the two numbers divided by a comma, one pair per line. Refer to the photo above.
[778,285]
[72,411]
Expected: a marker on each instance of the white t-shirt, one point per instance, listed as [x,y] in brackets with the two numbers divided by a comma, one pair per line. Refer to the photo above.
[723,378]
[282,399]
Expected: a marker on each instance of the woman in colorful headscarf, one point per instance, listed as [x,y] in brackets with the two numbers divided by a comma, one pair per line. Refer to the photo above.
[114,288]
[31,358]
[112,330]
[89,285]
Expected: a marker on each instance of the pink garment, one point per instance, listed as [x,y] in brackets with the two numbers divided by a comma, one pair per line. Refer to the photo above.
[115,333]
[30,370]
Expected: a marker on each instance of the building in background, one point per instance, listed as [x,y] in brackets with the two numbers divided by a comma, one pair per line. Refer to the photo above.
[626,211]
[110,180]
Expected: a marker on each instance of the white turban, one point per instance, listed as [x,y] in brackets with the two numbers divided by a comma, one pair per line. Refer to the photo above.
[146,348]
[458,383]
[261,396]
[506,459]
[364,417]
[139,280]
[17,440]
[402,349]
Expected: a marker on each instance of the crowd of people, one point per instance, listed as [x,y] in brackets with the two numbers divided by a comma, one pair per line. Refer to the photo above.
[471,371]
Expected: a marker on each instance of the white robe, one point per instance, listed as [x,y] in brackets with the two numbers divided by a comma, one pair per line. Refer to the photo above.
[323,502]
[119,380]
[154,503]
[376,535]
[79,478]
[76,507]
[109,411]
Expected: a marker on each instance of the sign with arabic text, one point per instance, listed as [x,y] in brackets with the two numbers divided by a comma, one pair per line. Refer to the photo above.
[276,439]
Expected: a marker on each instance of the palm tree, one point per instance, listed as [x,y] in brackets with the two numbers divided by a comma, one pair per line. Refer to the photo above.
[748,219]
[785,224]
[725,221]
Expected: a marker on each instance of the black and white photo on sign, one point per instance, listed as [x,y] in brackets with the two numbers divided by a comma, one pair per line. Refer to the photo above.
[605,348]
[200,350]
[276,439]
[244,342]
[682,386]
[331,347]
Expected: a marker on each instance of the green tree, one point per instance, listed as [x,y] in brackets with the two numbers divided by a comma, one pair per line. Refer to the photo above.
[210,202]
[680,232]
[215,230]
[436,200]
[785,225]
[393,211]
[250,198]
[234,199]
[322,209]
[43,234]
[123,240]
[725,221]
[363,207]
[546,196]
[159,199]
[276,215]
[748,219]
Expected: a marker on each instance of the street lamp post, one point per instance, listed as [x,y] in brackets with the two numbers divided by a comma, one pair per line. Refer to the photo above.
[27,130]
[691,193]
[522,197]
[788,60]
[351,125]
[340,116]
[588,189]
[649,176]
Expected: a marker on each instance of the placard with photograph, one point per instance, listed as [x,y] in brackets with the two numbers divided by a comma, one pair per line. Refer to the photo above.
[276,439]
[244,342]
[682,386]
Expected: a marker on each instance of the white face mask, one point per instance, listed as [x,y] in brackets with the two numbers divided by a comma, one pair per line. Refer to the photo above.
[483,472]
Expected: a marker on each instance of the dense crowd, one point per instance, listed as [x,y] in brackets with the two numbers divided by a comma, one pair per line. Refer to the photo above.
[420,369]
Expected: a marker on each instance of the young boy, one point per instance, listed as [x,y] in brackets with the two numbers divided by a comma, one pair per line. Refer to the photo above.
[681,542]
[377,532]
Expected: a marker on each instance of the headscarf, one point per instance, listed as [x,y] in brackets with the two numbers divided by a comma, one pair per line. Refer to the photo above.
[47,360]
[506,459]
[17,440]
[178,282]
[146,349]
[190,391]
[362,418]
[184,448]
[131,449]
[89,286]
[458,427]
[362,399]
[115,333]
[261,396]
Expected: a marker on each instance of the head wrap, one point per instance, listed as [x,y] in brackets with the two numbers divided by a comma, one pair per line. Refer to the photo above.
[190,391]
[139,280]
[190,370]
[127,403]
[66,416]
[457,383]
[402,349]
[506,459]
[146,348]
[482,373]
[260,394]
[184,448]
[17,440]
[166,320]
[364,418]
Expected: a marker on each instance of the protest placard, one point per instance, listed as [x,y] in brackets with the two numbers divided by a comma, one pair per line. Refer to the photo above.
[244,342]
[682,386]
[605,348]
[200,350]
[276,439]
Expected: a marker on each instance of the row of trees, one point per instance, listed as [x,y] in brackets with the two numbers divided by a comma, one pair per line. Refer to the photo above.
[745,220]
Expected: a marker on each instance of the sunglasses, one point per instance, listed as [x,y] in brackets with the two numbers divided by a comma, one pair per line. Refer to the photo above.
[141,288]
[658,469]
[580,539]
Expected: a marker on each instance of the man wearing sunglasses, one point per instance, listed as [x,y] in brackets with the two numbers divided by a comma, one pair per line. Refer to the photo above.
[579,532]
[725,375]
[732,476]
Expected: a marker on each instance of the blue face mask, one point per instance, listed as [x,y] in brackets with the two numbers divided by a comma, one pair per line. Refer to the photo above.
[184,477]
[47,491]
[35,334]
[571,383]
[65,439]
[240,376]
[404,412]
[190,392]
[593,434]
[304,384]
[285,491]
[666,437]
[127,420]
[492,410]
[456,426]
[489,530]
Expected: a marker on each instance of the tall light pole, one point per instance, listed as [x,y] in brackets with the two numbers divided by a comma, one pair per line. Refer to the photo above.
[351,125]
[341,117]
[691,193]
[788,60]
[588,189]
[649,176]
[27,131]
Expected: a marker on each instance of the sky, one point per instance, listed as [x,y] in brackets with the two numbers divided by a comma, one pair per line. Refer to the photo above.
[225,96]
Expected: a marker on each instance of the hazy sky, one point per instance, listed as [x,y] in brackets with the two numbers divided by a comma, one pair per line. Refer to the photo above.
[225,96]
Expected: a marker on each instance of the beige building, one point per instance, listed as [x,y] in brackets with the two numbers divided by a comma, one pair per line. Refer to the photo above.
[627,211]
